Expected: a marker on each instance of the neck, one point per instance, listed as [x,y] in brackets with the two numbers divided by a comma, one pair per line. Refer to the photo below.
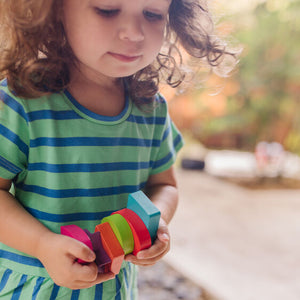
[100,94]
[92,78]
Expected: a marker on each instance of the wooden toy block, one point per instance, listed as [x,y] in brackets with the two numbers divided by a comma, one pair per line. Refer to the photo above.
[122,231]
[79,234]
[141,235]
[146,210]
[111,246]
[102,259]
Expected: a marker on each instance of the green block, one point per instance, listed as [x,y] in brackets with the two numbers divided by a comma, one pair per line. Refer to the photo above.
[122,231]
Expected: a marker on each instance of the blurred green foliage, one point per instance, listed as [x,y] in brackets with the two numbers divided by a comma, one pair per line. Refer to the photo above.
[267,104]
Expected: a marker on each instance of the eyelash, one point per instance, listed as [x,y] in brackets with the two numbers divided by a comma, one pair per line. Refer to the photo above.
[152,17]
[110,13]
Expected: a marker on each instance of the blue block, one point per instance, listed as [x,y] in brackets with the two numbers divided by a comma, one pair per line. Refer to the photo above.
[146,210]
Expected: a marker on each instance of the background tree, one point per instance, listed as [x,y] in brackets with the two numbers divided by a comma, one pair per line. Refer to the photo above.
[261,101]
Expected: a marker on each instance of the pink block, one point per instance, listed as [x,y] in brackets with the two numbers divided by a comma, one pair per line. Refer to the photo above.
[78,234]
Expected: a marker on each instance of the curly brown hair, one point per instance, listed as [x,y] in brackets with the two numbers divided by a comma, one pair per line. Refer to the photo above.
[35,56]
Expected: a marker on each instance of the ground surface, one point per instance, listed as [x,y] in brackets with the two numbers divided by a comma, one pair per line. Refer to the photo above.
[237,243]
[162,282]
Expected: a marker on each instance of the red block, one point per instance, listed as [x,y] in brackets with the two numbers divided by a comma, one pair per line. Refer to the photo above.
[79,234]
[111,246]
[141,235]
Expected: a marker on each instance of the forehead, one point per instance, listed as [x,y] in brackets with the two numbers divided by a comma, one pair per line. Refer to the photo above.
[134,2]
[76,8]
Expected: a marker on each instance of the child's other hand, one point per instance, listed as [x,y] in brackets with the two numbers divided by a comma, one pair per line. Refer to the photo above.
[160,247]
[59,254]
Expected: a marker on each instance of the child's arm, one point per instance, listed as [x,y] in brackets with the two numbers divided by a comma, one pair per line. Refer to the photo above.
[20,230]
[162,190]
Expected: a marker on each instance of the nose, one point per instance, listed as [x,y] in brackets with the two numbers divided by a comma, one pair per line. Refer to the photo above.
[131,30]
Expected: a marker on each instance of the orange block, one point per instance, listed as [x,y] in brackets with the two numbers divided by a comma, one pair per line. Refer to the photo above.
[111,246]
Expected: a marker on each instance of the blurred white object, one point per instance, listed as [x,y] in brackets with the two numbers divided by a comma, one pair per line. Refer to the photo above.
[270,158]
[229,163]
[265,162]
[291,167]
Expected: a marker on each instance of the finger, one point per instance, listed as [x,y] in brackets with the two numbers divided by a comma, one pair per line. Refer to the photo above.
[85,273]
[163,233]
[163,236]
[150,264]
[146,262]
[105,277]
[158,248]
[148,257]
[80,284]
[142,263]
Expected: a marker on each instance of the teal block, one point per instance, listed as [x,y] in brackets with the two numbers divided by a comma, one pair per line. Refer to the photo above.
[146,210]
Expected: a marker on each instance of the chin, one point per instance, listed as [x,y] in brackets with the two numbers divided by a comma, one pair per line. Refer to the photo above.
[122,74]
[125,71]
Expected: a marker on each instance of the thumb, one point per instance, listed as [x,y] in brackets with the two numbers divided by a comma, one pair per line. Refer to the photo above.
[163,233]
[82,252]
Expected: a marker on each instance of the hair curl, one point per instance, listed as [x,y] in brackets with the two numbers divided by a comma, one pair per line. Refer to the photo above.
[35,56]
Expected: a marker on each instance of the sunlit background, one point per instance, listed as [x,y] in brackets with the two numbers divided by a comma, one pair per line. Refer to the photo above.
[261,100]
[236,232]
[256,108]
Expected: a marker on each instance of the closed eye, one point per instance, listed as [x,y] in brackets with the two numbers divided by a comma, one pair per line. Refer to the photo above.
[152,17]
[108,13]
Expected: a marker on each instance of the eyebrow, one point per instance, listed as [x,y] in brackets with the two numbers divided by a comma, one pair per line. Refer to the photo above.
[167,1]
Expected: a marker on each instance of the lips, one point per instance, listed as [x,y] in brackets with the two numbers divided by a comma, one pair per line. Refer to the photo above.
[124,58]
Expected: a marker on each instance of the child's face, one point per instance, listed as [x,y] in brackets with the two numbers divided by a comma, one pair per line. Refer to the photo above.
[115,38]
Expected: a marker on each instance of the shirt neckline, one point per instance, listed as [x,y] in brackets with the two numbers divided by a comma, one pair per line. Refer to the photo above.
[90,115]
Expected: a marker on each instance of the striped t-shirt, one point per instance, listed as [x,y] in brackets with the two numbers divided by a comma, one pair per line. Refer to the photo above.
[72,166]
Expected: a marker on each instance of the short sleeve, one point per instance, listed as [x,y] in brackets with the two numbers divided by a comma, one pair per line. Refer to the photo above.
[171,141]
[14,141]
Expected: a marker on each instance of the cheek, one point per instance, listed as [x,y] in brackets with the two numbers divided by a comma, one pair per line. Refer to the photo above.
[83,44]
[155,39]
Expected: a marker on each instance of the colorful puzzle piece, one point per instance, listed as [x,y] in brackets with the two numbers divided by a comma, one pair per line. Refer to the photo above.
[125,231]
[141,236]
[77,233]
[146,210]
[111,246]
[122,231]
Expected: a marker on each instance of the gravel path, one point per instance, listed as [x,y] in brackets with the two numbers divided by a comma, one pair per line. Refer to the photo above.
[162,282]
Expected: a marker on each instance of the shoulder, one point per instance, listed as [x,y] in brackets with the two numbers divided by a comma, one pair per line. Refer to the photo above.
[160,105]
[156,107]
[160,100]
[9,102]
[9,97]
[21,105]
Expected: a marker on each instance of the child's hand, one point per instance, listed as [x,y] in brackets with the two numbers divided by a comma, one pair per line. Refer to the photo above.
[58,253]
[160,247]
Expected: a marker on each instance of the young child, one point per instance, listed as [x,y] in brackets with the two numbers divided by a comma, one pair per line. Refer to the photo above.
[82,125]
